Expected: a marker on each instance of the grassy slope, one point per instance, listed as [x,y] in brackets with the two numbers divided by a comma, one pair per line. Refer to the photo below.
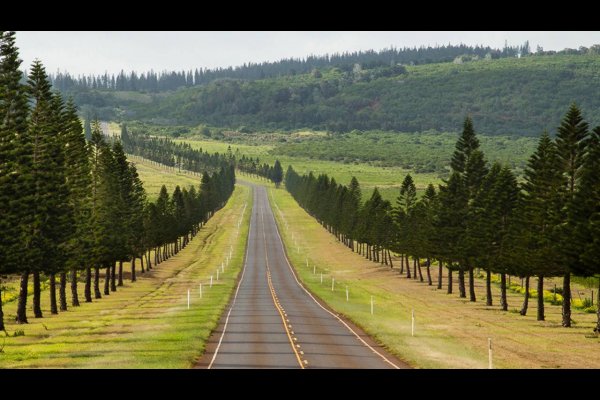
[146,324]
[505,96]
[450,332]
[154,176]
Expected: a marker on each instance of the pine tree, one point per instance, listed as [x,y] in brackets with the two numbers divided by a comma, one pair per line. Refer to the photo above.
[47,180]
[584,216]
[78,180]
[571,141]
[277,173]
[14,159]
[541,214]
[468,161]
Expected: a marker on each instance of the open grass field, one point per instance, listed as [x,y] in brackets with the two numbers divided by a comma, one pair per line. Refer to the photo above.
[154,176]
[450,332]
[145,324]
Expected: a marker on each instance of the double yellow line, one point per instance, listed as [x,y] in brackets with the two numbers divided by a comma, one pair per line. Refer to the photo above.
[282,313]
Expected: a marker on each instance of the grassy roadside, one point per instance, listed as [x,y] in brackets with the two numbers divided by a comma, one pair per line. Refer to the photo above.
[146,324]
[450,332]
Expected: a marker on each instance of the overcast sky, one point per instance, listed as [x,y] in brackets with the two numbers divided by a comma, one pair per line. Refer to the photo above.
[97,52]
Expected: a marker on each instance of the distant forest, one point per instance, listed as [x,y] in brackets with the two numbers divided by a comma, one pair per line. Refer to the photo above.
[153,82]
[511,91]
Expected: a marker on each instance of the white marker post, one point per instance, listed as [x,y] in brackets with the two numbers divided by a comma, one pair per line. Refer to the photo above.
[306,262]
[222,267]
[346,293]
[200,289]
[321,278]
[211,281]
[314,269]
[490,364]
[332,283]
[412,331]
[188,299]
[217,274]
[371,305]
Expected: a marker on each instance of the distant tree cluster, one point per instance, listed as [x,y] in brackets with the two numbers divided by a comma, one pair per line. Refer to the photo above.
[252,166]
[69,205]
[481,217]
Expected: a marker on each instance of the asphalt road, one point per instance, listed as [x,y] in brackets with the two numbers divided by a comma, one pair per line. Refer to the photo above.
[273,322]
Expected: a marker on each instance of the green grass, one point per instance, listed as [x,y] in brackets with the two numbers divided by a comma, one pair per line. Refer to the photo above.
[145,324]
[450,332]
[154,176]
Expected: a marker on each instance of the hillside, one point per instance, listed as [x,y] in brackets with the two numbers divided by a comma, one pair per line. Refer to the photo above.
[504,96]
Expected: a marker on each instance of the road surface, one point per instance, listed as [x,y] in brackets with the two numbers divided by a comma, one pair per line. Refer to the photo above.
[273,322]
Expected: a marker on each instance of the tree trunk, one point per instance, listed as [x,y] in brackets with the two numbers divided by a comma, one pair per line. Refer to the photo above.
[120,273]
[440,273]
[414,268]
[429,281]
[449,281]
[472,296]
[107,280]
[37,293]
[74,295]
[418,260]
[488,288]
[503,301]
[566,305]
[133,278]
[401,263]
[526,298]
[22,304]
[461,283]
[88,285]
[390,258]
[408,276]
[53,306]
[540,302]
[63,291]
[113,277]
[97,293]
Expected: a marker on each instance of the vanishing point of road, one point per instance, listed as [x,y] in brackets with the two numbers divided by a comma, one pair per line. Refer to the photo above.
[274,322]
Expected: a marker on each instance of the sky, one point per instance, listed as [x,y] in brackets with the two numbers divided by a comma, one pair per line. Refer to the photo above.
[99,52]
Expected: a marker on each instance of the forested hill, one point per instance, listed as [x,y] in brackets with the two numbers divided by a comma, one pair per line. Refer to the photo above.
[520,96]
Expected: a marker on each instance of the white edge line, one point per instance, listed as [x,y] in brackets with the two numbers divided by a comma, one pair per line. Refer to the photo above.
[318,303]
[236,293]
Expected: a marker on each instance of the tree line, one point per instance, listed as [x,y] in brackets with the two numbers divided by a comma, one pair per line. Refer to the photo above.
[480,217]
[69,205]
[167,152]
[152,81]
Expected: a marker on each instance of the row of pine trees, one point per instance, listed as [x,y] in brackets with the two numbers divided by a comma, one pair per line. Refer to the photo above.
[70,205]
[167,152]
[481,216]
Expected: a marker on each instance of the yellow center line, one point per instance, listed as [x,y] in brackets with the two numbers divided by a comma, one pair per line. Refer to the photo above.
[276,301]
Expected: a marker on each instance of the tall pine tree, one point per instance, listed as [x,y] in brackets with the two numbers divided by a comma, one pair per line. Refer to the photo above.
[571,141]
[14,157]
